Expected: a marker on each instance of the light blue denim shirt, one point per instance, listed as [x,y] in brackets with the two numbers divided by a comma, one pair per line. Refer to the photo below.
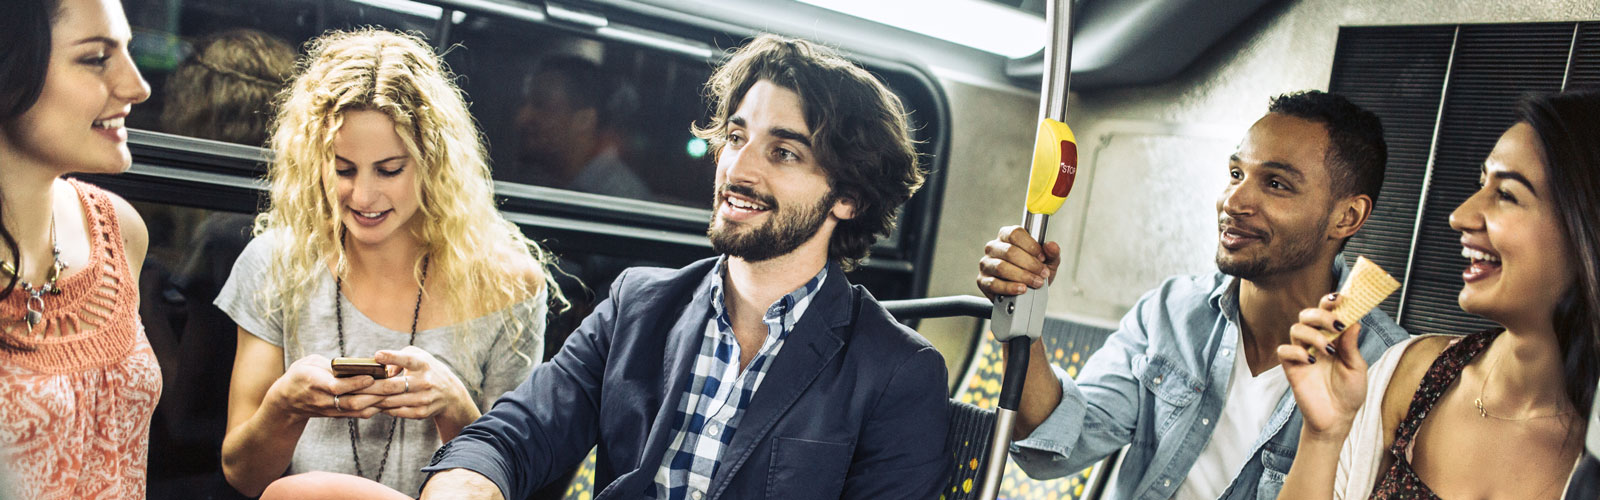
[1157,384]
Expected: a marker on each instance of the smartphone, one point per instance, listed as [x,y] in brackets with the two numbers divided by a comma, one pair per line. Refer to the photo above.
[350,367]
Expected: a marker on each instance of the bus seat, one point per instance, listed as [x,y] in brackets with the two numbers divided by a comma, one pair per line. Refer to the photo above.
[971,431]
[1069,344]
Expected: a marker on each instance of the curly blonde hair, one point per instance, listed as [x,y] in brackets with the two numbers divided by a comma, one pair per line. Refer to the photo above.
[467,240]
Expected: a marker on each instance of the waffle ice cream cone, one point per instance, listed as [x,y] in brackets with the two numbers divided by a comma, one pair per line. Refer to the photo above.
[1367,286]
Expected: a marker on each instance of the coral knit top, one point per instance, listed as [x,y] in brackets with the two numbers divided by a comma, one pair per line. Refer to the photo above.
[75,409]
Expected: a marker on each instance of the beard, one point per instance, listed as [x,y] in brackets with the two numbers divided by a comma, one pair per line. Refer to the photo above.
[781,234]
[1296,251]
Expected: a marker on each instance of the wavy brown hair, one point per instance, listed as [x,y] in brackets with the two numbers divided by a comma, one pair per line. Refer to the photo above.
[858,128]
[25,31]
[224,91]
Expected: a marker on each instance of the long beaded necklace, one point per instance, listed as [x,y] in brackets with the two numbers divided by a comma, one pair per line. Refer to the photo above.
[338,314]
[34,309]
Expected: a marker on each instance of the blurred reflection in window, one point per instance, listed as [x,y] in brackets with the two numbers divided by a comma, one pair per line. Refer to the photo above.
[533,87]
[169,32]
[565,130]
[191,253]
[224,90]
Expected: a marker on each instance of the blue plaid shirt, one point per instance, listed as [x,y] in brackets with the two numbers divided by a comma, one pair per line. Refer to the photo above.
[710,410]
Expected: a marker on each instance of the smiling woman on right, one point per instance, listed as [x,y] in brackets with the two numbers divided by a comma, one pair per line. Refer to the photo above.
[1495,414]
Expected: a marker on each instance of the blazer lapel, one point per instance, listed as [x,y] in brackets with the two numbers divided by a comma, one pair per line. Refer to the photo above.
[808,349]
[682,345]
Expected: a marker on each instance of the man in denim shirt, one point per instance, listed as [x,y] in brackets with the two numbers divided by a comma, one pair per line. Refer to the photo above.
[1190,380]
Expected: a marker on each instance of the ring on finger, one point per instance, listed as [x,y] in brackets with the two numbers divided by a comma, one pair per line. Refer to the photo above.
[408,384]
[336,403]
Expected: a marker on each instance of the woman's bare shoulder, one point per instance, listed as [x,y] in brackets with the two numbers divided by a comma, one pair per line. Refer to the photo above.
[526,270]
[1414,363]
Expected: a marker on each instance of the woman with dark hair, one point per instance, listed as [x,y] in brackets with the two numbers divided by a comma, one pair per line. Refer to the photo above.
[1499,413]
[78,381]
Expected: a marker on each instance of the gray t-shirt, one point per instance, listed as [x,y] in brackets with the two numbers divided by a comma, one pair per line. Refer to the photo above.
[488,366]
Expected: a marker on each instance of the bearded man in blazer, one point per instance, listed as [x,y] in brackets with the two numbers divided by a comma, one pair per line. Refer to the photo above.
[760,373]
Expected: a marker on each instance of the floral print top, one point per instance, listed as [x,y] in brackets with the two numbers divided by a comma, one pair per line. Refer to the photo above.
[1401,481]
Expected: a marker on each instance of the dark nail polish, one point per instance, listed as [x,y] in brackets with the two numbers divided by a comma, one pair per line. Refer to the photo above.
[1332,297]
[1331,350]
[1338,325]
[1311,359]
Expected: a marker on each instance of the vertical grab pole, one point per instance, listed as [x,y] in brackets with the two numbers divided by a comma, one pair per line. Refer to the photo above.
[1019,320]
[1057,76]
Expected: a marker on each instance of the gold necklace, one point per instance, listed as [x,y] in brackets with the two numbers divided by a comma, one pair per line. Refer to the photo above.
[34,307]
[1484,413]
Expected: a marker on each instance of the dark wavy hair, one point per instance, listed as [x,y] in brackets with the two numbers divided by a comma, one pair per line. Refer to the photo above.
[858,128]
[25,34]
[1568,126]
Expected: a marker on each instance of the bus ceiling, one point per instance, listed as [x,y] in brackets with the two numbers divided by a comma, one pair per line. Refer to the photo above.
[1130,42]
[1118,42]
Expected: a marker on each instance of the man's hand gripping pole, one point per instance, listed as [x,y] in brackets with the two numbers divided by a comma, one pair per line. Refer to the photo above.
[1018,320]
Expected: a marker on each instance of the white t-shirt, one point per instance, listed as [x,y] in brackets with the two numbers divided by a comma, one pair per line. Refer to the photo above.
[1250,402]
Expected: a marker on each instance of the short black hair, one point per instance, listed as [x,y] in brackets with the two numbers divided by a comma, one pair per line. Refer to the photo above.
[1357,153]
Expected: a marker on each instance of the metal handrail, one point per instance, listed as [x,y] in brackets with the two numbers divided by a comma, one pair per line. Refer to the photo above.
[939,307]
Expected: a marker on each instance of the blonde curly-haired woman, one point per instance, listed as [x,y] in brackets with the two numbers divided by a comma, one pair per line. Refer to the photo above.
[382,240]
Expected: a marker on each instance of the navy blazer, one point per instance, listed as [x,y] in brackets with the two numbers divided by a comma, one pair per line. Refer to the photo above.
[854,406]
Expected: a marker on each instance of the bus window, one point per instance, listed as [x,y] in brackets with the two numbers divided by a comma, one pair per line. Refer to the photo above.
[213,64]
[190,255]
[581,114]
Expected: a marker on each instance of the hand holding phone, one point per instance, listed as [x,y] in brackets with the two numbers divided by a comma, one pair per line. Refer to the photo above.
[350,367]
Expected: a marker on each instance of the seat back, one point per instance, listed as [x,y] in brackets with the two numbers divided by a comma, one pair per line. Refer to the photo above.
[971,431]
[1068,344]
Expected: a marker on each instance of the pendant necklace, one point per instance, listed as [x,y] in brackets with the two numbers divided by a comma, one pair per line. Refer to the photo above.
[34,309]
[1484,413]
[338,314]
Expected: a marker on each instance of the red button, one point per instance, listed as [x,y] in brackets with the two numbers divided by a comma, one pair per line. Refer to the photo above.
[1069,169]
